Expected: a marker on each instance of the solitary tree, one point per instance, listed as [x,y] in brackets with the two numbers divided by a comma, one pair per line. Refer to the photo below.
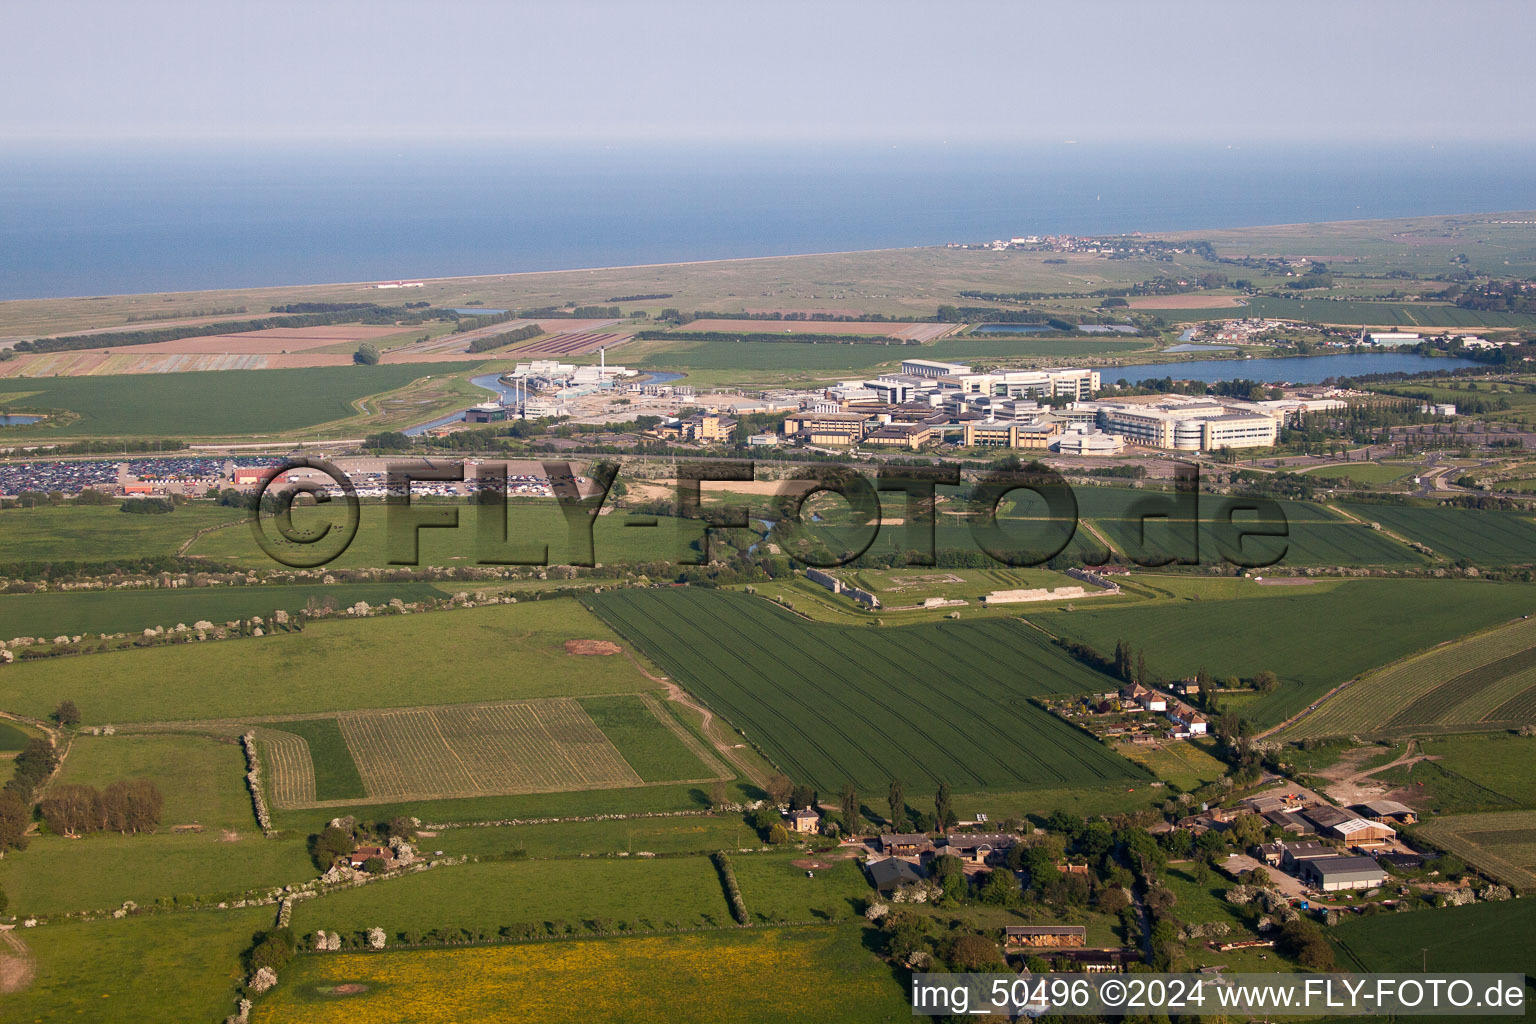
[779,787]
[898,801]
[66,713]
[15,816]
[850,807]
[942,812]
[366,355]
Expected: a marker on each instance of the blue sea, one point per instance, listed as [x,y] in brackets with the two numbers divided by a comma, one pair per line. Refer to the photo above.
[96,219]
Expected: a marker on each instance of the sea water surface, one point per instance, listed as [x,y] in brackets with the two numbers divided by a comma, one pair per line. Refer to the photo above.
[1292,370]
[94,219]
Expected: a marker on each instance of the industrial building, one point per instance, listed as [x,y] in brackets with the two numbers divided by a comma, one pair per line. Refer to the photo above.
[1190,425]
[1334,874]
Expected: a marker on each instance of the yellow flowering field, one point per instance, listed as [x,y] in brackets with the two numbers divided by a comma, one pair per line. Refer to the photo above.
[721,977]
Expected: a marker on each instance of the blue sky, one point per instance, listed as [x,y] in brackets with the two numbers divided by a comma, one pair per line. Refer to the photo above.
[722,70]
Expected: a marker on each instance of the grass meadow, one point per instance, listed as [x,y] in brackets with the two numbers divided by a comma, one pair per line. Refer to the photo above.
[126,611]
[69,533]
[167,967]
[201,777]
[691,834]
[494,652]
[55,875]
[775,889]
[548,894]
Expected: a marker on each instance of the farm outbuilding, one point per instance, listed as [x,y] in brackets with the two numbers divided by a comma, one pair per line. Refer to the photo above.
[1334,874]
[1046,935]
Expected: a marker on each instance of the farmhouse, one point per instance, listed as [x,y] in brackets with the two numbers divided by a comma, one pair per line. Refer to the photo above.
[1333,874]
[1037,936]
[978,847]
[803,820]
[1189,721]
[363,854]
[891,873]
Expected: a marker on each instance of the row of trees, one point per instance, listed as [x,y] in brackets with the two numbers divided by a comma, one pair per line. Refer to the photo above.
[132,805]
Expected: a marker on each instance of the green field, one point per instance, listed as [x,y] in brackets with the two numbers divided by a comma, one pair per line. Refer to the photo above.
[1470,773]
[170,967]
[86,612]
[201,778]
[691,834]
[726,976]
[1486,681]
[1356,312]
[1501,844]
[1481,937]
[1180,762]
[496,652]
[652,750]
[215,403]
[830,704]
[336,775]
[774,889]
[488,895]
[1313,637]
[1499,763]
[54,875]
[1365,472]
[69,533]
[12,739]
[531,525]
[1480,538]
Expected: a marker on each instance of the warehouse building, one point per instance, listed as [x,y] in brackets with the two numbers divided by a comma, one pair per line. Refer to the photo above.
[1335,874]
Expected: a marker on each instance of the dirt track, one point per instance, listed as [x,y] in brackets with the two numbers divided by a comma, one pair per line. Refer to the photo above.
[729,751]
[17,964]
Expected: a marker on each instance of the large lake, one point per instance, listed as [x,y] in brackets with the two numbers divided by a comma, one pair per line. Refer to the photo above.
[1295,370]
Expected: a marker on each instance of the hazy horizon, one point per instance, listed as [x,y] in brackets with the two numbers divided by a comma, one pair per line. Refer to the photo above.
[686,72]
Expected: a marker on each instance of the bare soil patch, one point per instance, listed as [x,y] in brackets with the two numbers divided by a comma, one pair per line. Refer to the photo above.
[1285,581]
[808,864]
[592,647]
[17,965]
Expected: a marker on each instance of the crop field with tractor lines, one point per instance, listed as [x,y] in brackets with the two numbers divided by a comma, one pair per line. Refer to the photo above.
[1487,681]
[1501,843]
[831,704]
